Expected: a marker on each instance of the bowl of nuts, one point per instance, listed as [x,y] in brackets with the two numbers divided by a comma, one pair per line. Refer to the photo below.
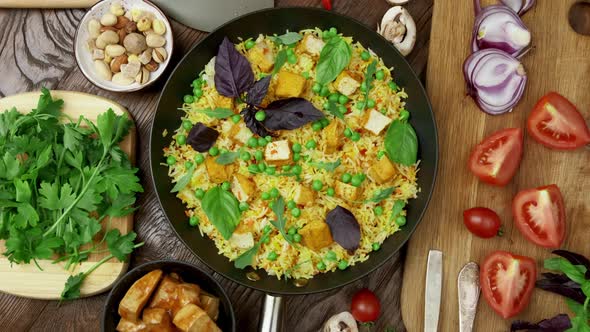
[123,46]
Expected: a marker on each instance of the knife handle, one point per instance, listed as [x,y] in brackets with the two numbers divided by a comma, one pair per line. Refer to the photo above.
[47,4]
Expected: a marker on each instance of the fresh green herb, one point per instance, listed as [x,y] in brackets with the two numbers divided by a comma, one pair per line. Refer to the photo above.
[380,195]
[184,180]
[335,56]
[401,143]
[280,61]
[335,110]
[278,207]
[222,209]
[227,158]
[580,321]
[328,166]
[574,272]
[218,113]
[247,257]
[288,38]
[369,78]
[397,208]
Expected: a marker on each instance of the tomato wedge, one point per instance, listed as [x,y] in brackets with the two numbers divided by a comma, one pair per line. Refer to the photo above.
[507,282]
[496,159]
[556,123]
[540,215]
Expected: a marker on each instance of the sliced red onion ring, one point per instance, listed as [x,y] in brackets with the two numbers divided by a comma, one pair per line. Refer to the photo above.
[519,6]
[498,26]
[495,80]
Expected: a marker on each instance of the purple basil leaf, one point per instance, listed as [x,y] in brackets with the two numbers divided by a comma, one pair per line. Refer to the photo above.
[344,227]
[233,73]
[258,91]
[562,285]
[290,114]
[559,323]
[255,126]
[575,259]
[201,137]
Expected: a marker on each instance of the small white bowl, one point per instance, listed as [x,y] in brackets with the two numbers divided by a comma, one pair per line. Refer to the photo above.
[84,55]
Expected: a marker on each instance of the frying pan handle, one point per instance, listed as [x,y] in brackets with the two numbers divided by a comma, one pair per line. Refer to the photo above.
[272,314]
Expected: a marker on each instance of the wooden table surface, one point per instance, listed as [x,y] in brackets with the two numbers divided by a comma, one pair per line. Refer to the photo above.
[36,51]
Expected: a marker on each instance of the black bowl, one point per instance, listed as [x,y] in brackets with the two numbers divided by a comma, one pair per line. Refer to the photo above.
[188,272]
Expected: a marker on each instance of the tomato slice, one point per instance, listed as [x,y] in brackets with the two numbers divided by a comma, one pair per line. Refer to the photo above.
[540,215]
[556,123]
[496,159]
[507,282]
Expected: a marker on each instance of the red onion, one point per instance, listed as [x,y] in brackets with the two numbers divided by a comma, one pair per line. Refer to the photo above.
[495,80]
[519,6]
[498,26]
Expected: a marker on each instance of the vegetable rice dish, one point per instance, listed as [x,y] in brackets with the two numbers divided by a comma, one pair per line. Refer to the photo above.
[295,154]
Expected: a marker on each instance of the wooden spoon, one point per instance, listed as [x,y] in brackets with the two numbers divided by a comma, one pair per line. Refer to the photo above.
[579,18]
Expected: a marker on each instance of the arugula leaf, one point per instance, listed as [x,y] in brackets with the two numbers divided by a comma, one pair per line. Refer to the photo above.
[333,109]
[217,113]
[288,38]
[279,209]
[227,158]
[369,77]
[221,207]
[401,143]
[280,60]
[120,245]
[328,166]
[380,195]
[247,257]
[184,180]
[334,57]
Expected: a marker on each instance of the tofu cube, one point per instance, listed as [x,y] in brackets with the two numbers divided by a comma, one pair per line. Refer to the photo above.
[304,195]
[375,122]
[346,84]
[210,304]
[242,187]
[312,45]
[381,171]
[157,319]
[347,191]
[289,85]
[138,294]
[224,102]
[277,153]
[333,135]
[187,294]
[240,133]
[166,295]
[191,318]
[217,173]
[242,240]
[316,235]
[262,56]
[130,326]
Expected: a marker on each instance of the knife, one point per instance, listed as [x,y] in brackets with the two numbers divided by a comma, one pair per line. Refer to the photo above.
[433,290]
[468,288]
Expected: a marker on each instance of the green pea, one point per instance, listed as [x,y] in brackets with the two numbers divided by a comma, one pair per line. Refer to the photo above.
[365,55]
[360,105]
[317,87]
[193,221]
[378,210]
[296,212]
[348,132]
[296,156]
[393,86]
[260,115]
[181,139]
[334,97]
[267,229]
[236,118]
[253,169]
[333,32]
[197,92]
[245,155]
[380,154]
[268,138]
[199,159]
[331,255]
[400,221]
[292,231]
[199,193]
[271,170]
[325,91]
[266,239]
[197,83]
[223,150]
[265,196]
[244,206]
[356,181]
[342,109]
[188,164]
[376,246]
[252,142]
[290,52]
[261,167]
[326,34]
[258,155]
[364,86]
[296,169]
[291,205]
[305,75]
[342,99]
[225,186]
[188,99]
[187,125]
[330,192]
[272,256]
[346,177]
[342,265]
[262,142]
[370,103]
[297,238]
[321,265]
[362,176]
[286,168]
[170,160]
[296,147]
[311,144]
[249,44]
[325,122]
[292,59]
[274,193]
[214,151]
[316,126]
[404,115]
[317,185]
[383,111]
[379,75]
[355,137]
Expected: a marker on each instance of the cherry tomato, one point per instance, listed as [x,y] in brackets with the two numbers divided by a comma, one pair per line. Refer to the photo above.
[482,222]
[507,282]
[556,123]
[327,4]
[365,306]
[496,159]
[540,215]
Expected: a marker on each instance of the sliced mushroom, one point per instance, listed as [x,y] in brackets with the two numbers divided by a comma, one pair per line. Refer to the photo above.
[398,27]
[342,322]
[397,2]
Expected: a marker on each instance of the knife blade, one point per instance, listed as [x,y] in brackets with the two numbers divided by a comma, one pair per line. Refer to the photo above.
[433,290]
[468,289]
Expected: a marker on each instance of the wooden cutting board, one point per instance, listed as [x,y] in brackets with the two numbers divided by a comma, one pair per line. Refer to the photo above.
[560,61]
[27,280]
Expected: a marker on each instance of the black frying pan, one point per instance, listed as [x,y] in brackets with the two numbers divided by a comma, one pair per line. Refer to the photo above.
[277,21]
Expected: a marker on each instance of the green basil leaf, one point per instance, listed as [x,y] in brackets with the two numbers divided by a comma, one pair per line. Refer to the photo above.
[280,60]
[333,109]
[279,209]
[397,208]
[184,180]
[586,288]
[218,113]
[335,56]
[401,143]
[227,158]
[221,207]
[574,272]
[247,258]
[328,166]
[381,195]
[287,38]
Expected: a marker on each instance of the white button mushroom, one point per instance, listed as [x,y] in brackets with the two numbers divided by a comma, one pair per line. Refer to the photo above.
[397,2]
[398,27]
[342,322]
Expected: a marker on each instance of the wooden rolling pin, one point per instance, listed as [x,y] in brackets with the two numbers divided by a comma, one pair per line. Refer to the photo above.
[47,4]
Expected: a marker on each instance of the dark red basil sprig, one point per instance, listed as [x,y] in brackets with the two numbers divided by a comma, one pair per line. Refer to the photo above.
[233,73]
[201,137]
[558,323]
[255,126]
[258,91]
[344,227]
[562,285]
[291,113]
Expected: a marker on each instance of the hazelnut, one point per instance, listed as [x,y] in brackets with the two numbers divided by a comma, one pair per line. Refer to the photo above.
[102,70]
[121,22]
[116,9]
[131,27]
[159,54]
[117,62]
[134,43]
[108,19]
[152,66]
[144,23]
[143,77]
[122,79]
[159,27]
[154,40]
[94,28]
